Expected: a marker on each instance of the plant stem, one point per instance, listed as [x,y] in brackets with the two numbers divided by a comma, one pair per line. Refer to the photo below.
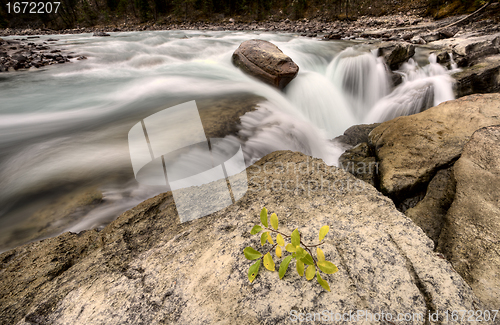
[310,253]
[312,245]
[279,232]
[269,251]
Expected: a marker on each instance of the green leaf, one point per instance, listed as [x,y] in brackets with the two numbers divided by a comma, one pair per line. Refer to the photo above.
[320,254]
[323,231]
[300,267]
[323,283]
[284,266]
[290,248]
[274,221]
[251,254]
[269,238]
[278,251]
[300,253]
[269,263]
[263,217]
[311,269]
[253,271]
[307,260]
[296,238]
[263,238]
[256,229]
[327,267]
[280,240]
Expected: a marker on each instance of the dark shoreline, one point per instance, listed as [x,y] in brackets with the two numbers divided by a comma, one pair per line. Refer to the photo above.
[390,27]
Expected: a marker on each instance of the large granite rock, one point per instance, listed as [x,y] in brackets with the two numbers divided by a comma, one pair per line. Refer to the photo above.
[266,62]
[470,238]
[429,214]
[147,268]
[411,149]
[483,77]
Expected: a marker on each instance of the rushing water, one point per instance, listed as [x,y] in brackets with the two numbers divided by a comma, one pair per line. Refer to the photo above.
[65,127]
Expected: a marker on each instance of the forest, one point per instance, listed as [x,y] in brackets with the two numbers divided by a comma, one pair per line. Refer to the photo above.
[86,13]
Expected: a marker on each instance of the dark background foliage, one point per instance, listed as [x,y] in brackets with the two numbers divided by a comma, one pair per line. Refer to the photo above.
[85,13]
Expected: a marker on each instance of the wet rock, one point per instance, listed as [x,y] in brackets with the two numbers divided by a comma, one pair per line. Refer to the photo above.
[470,238]
[484,77]
[147,266]
[266,62]
[443,57]
[475,48]
[429,213]
[411,149]
[431,37]
[398,53]
[52,219]
[356,134]
[360,161]
[333,36]
[449,32]
[100,34]
[418,40]
[20,58]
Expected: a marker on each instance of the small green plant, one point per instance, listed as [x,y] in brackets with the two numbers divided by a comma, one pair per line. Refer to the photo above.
[300,252]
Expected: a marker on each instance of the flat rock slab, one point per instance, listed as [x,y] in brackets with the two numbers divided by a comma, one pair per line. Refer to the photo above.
[410,149]
[470,238]
[483,77]
[147,268]
[266,62]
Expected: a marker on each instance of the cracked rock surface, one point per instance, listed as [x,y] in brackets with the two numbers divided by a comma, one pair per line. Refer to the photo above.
[470,237]
[147,268]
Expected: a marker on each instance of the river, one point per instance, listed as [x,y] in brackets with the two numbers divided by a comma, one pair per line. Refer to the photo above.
[65,127]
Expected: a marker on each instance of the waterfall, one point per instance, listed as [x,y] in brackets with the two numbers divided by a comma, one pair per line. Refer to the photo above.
[421,89]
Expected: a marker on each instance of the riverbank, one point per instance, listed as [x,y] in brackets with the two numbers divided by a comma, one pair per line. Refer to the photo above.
[25,52]
[388,27]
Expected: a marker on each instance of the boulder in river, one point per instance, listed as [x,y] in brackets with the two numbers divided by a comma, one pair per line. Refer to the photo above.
[100,34]
[398,53]
[411,149]
[146,267]
[266,62]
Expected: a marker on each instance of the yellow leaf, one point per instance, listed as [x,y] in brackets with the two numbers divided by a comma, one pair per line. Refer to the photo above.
[310,271]
[300,267]
[278,251]
[263,238]
[323,231]
[321,255]
[290,248]
[280,240]
[327,267]
[323,283]
[268,262]
[269,238]
[274,221]
[263,217]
